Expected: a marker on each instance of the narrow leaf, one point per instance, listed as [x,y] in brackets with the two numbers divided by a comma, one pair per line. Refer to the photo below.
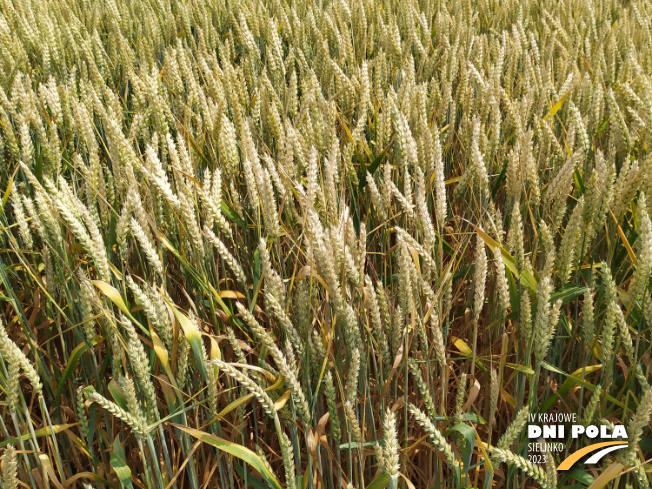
[236,450]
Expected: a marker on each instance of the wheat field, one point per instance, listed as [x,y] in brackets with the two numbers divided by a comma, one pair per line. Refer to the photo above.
[322,244]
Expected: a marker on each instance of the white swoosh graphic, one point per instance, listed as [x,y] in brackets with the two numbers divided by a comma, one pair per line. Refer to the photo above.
[595,458]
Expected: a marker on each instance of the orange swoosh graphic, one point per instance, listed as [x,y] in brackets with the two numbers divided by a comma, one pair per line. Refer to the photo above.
[574,457]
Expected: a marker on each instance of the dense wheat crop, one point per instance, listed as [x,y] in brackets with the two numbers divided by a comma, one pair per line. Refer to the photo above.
[320,245]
